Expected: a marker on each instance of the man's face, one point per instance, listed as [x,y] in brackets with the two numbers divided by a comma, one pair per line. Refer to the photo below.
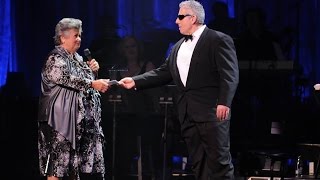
[185,21]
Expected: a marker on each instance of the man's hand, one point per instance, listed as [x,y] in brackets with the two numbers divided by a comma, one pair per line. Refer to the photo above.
[127,83]
[222,112]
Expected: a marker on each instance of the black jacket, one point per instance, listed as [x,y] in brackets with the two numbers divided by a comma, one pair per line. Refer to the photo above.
[212,79]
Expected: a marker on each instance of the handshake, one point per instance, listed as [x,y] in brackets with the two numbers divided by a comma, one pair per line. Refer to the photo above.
[103,85]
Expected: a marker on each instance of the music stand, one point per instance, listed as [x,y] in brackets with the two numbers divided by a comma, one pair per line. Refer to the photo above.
[165,100]
[114,99]
[113,72]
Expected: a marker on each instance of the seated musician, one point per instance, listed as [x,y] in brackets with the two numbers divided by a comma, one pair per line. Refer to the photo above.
[256,42]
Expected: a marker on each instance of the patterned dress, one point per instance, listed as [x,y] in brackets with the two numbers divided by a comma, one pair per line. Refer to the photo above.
[70,137]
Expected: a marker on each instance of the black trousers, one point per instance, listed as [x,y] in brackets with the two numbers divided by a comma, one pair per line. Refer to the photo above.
[208,146]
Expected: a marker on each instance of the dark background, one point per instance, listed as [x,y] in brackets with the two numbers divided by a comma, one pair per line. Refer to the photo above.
[27,28]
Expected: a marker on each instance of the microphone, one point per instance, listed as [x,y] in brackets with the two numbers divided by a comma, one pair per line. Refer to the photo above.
[87,53]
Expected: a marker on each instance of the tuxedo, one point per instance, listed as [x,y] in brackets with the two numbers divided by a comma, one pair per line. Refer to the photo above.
[212,80]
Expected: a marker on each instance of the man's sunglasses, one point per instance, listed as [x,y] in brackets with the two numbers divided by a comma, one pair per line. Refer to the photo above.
[181,16]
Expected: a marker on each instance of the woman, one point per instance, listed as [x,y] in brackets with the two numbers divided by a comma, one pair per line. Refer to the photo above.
[70,136]
[138,107]
[132,57]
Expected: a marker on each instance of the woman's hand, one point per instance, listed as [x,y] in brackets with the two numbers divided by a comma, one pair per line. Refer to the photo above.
[100,85]
[93,65]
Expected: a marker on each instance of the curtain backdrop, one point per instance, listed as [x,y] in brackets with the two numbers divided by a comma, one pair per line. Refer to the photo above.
[8,61]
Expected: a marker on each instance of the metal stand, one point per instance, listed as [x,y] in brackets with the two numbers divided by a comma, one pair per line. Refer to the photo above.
[317,168]
[166,101]
[114,99]
[140,158]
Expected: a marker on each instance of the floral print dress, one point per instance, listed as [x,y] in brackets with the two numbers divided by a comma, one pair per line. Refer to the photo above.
[70,136]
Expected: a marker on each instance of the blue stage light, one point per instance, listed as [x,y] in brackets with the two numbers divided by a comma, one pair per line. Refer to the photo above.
[7,42]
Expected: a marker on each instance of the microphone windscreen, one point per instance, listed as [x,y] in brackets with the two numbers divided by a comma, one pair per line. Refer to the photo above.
[87,53]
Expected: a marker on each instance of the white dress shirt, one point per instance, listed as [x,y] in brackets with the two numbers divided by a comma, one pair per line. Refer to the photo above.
[185,54]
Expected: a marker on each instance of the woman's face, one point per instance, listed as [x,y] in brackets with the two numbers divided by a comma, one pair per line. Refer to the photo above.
[71,40]
[130,48]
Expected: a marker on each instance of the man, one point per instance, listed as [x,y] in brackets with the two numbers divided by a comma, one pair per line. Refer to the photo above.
[205,71]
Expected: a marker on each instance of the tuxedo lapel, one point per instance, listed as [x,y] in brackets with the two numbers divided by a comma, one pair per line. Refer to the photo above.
[175,66]
[195,55]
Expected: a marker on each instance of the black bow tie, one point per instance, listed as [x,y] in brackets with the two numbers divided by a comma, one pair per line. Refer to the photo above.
[187,37]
